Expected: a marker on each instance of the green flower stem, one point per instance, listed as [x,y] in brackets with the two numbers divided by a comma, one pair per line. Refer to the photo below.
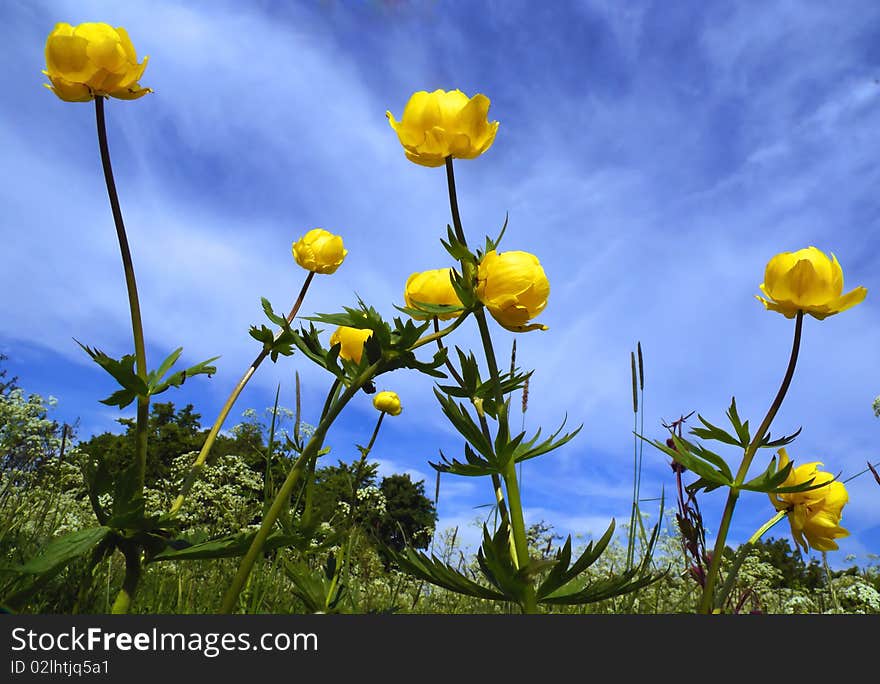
[347,553]
[310,475]
[496,480]
[427,339]
[706,603]
[763,529]
[227,407]
[517,522]
[283,497]
[132,557]
[143,403]
[453,202]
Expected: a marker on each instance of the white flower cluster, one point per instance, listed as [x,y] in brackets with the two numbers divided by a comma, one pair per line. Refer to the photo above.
[373,498]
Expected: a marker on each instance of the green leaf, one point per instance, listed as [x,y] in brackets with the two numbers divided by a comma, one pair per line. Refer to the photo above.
[563,573]
[159,373]
[177,379]
[432,569]
[742,429]
[716,433]
[527,450]
[123,372]
[461,420]
[475,466]
[496,563]
[230,546]
[766,442]
[62,550]
[691,462]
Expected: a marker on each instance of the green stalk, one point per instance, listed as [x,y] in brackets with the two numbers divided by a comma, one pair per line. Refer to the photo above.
[284,494]
[310,475]
[227,407]
[706,603]
[515,513]
[132,575]
[453,202]
[517,523]
[766,526]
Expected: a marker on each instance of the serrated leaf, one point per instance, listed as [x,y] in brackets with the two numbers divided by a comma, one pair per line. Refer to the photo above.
[685,458]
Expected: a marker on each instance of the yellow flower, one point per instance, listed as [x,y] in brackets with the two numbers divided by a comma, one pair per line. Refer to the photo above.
[351,341]
[388,402]
[512,285]
[319,251]
[431,287]
[93,60]
[815,514]
[442,124]
[807,280]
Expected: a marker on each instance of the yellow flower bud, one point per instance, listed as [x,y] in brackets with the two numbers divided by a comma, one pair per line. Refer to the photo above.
[351,341]
[814,515]
[93,60]
[431,287]
[442,124]
[514,288]
[319,251]
[808,281]
[388,402]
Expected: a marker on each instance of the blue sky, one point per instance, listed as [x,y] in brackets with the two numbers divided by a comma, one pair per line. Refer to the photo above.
[653,155]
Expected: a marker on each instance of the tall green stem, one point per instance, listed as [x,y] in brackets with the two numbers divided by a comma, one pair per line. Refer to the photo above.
[284,494]
[132,557]
[707,601]
[230,402]
[453,202]
[515,513]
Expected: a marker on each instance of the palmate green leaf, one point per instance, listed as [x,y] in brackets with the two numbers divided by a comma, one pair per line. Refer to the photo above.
[601,589]
[627,582]
[716,433]
[432,569]
[527,450]
[462,421]
[691,462]
[563,572]
[307,341]
[496,563]
[475,466]
[123,372]
[770,479]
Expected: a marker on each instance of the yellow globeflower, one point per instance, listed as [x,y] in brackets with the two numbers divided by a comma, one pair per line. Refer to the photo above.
[319,251]
[93,60]
[443,124]
[815,514]
[431,287]
[513,286]
[388,402]
[807,280]
[351,341]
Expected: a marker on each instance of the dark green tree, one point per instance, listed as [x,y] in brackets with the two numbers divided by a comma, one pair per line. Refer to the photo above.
[172,432]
